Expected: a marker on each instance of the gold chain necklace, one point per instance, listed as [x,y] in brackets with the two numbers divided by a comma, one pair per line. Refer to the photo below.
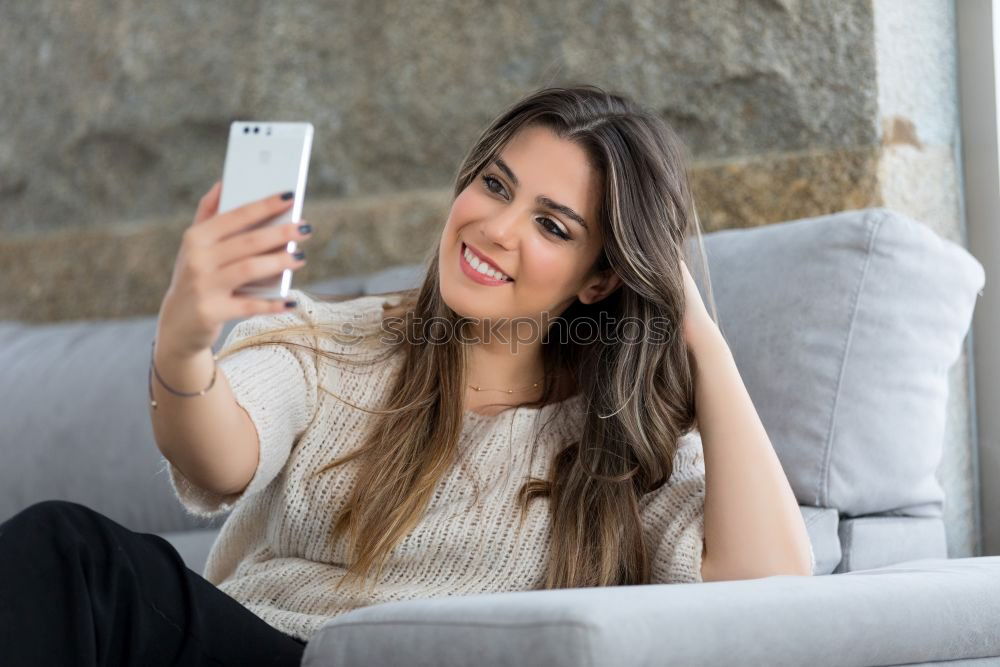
[509,391]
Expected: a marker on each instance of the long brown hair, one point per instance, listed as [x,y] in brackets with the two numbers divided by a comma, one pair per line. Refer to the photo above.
[638,398]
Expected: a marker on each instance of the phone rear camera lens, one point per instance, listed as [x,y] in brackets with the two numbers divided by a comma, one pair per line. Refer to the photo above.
[246,130]
[256,130]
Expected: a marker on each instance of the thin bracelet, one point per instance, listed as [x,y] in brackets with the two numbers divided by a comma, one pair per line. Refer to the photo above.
[152,370]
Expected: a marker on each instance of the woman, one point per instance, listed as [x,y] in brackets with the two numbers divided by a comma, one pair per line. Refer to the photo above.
[379,448]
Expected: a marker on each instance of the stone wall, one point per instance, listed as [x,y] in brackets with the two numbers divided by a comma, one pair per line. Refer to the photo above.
[115,118]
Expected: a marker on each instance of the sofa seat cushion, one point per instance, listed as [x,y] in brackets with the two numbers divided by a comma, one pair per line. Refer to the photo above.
[874,541]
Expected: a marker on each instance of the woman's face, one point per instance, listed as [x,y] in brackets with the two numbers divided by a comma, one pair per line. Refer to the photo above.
[544,252]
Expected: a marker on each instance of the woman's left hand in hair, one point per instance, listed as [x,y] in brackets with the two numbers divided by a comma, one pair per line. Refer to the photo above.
[697,322]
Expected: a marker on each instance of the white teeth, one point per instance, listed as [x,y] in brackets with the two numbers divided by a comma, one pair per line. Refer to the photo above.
[483,267]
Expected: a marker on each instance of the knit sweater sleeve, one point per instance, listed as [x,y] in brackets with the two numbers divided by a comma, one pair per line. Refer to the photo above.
[277,387]
[673,517]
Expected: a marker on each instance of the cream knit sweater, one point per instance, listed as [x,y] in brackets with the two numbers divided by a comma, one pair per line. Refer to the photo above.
[275,553]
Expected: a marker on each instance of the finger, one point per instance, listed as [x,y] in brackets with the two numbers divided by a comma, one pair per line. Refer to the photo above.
[256,242]
[248,306]
[209,204]
[240,218]
[256,268]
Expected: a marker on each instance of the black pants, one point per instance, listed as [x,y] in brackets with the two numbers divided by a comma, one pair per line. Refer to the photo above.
[77,588]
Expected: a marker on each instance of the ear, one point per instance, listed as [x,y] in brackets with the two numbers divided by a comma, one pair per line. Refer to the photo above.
[599,286]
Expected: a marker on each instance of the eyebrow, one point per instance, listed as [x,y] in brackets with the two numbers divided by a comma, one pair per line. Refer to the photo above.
[542,199]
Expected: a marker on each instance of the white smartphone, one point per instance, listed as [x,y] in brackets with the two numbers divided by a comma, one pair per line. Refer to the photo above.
[265,158]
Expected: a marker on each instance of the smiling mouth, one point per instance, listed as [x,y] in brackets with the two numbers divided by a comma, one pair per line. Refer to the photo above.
[472,261]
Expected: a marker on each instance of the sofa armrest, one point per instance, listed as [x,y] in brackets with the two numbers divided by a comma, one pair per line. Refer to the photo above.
[922,610]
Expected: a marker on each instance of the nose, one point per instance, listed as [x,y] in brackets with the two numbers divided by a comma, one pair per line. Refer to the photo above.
[501,230]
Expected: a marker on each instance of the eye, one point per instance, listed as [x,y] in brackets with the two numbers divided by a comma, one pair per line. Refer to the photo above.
[555,229]
[488,180]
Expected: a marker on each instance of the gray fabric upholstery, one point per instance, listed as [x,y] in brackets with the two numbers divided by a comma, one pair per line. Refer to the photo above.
[404,276]
[192,545]
[844,327]
[921,610]
[822,522]
[874,541]
[76,425]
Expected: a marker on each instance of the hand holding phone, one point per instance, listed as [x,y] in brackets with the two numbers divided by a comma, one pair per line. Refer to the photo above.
[218,253]
[266,158]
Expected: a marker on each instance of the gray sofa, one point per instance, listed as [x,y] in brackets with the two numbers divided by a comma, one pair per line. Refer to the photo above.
[845,328]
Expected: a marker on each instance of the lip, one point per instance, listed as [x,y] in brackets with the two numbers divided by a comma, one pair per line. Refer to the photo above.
[476,275]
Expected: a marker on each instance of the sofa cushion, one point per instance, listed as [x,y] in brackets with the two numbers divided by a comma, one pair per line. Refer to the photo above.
[394,278]
[344,287]
[874,541]
[391,279]
[915,611]
[75,415]
[844,328]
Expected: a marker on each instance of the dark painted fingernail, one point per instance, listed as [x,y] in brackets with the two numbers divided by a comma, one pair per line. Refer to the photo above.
[291,304]
[299,255]
[288,195]
[305,229]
